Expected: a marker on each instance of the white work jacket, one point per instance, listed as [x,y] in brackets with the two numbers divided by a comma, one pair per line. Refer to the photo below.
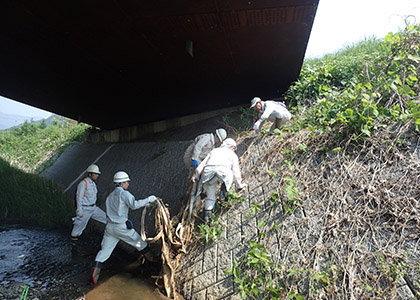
[223,163]
[203,144]
[118,204]
[86,194]
[272,110]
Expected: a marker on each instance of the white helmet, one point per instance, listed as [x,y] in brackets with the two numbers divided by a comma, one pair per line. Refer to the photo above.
[255,101]
[121,176]
[221,134]
[93,169]
[229,143]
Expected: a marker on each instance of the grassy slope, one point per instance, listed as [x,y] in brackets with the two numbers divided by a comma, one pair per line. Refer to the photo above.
[24,152]
[346,177]
[31,199]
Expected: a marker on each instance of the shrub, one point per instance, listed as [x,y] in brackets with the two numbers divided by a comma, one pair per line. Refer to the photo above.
[362,87]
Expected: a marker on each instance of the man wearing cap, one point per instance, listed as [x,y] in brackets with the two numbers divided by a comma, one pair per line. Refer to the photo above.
[202,146]
[86,196]
[119,227]
[270,110]
[221,165]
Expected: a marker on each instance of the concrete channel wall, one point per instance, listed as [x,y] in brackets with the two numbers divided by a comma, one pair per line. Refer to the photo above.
[157,168]
[303,240]
[203,269]
[154,169]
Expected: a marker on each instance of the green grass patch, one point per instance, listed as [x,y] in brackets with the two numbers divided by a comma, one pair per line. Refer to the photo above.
[26,197]
[32,199]
[33,147]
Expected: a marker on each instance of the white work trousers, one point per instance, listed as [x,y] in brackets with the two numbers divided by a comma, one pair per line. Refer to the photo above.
[210,188]
[80,223]
[278,123]
[113,234]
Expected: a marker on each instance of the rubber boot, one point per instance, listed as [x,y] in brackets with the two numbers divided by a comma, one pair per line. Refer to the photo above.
[148,255]
[94,277]
[74,243]
[207,216]
[223,193]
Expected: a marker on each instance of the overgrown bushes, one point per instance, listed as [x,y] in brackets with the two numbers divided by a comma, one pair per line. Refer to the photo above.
[343,177]
[363,87]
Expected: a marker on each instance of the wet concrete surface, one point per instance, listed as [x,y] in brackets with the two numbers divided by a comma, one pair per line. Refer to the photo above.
[41,259]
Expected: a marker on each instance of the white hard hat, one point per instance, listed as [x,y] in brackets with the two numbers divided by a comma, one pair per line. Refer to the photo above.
[121,176]
[93,169]
[221,134]
[229,143]
[255,101]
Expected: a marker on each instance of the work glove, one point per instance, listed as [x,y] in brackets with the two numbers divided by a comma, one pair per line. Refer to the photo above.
[151,199]
[194,164]
[79,212]
[257,125]
[242,186]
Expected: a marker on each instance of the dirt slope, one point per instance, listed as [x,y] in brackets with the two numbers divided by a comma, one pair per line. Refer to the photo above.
[335,220]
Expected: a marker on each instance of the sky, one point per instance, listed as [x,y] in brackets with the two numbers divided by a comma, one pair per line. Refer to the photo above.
[344,22]
[11,107]
[337,23]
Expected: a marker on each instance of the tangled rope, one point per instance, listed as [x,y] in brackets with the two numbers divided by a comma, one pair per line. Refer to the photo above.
[173,243]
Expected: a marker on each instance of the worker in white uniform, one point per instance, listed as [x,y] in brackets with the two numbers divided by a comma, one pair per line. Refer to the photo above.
[202,146]
[86,196]
[273,111]
[119,227]
[220,165]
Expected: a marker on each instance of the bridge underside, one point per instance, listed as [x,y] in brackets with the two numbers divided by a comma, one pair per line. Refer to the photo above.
[118,63]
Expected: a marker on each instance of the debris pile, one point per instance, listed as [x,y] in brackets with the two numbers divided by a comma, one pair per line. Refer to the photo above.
[341,219]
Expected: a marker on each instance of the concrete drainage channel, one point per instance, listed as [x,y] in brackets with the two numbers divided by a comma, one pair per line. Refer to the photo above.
[154,169]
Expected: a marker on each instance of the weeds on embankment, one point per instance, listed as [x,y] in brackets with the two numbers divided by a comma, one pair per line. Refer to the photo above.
[32,147]
[31,199]
[26,197]
[345,172]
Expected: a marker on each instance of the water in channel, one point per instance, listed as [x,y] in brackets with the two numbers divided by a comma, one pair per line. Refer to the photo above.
[41,259]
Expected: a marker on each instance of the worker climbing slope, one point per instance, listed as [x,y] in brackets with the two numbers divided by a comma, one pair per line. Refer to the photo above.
[273,111]
[202,146]
[119,227]
[220,166]
[86,196]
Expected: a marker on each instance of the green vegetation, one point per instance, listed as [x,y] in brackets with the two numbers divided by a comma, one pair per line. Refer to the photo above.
[210,232]
[347,96]
[31,199]
[32,146]
[361,88]
[27,149]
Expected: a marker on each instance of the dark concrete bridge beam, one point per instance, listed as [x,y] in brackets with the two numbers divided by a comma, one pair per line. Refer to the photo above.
[137,132]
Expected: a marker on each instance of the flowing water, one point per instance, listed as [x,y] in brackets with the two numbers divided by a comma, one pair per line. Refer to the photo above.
[41,259]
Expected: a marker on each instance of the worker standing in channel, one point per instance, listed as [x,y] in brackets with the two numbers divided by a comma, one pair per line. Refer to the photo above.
[119,227]
[221,165]
[270,110]
[202,146]
[86,196]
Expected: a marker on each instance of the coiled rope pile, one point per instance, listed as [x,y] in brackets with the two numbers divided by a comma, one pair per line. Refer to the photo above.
[173,242]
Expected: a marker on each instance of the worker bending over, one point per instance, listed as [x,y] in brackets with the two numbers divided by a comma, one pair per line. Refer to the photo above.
[221,165]
[86,196]
[119,227]
[202,146]
[273,111]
